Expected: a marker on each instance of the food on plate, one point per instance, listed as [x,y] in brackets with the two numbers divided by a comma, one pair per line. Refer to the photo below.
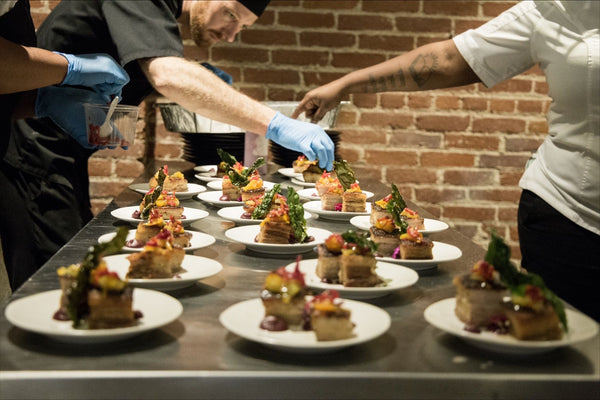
[413,218]
[386,235]
[517,302]
[94,297]
[259,206]
[328,319]
[155,224]
[221,169]
[161,258]
[253,188]
[172,183]
[285,225]
[312,173]
[166,204]
[479,295]
[238,177]
[328,263]
[330,189]
[380,210]
[357,262]
[414,246]
[301,163]
[282,296]
[354,200]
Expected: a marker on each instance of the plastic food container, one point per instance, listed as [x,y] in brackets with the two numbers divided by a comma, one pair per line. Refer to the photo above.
[120,132]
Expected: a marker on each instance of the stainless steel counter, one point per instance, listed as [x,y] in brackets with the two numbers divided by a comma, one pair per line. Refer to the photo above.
[196,358]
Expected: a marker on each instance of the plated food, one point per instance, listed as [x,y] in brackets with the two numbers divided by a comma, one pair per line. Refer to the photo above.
[315,207]
[197,240]
[240,182]
[431,225]
[247,235]
[442,252]
[171,183]
[193,189]
[131,214]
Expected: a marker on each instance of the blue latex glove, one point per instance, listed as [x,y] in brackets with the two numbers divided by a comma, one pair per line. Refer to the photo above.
[64,105]
[309,139]
[98,71]
[225,77]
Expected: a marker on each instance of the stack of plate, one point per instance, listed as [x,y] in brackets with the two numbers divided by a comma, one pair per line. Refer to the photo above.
[201,148]
[284,157]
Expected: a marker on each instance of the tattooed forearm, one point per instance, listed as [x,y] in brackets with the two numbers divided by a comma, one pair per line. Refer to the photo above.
[386,83]
[423,67]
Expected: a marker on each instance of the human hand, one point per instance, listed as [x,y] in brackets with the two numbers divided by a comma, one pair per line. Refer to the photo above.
[309,139]
[225,77]
[64,105]
[98,71]
[317,102]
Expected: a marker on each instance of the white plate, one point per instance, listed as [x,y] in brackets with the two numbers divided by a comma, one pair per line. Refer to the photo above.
[442,252]
[289,172]
[312,194]
[207,178]
[197,241]
[213,197]
[190,214]
[243,319]
[195,267]
[431,225]
[441,315]
[246,235]
[34,313]
[299,180]
[218,185]
[397,277]
[314,207]
[193,189]
[206,169]
[234,213]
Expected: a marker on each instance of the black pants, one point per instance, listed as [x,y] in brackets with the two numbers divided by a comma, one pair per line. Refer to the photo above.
[563,253]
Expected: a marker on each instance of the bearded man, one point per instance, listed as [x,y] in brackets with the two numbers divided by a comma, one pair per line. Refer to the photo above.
[47,169]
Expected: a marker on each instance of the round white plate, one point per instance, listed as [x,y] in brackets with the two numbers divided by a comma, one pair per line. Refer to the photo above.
[34,313]
[234,213]
[195,267]
[193,189]
[197,241]
[207,178]
[312,194]
[431,225]
[190,214]
[243,319]
[218,185]
[314,207]
[299,180]
[442,252]
[396,277]
[206,169]
[289,172]
[441,315]
[213,197]
[246,235]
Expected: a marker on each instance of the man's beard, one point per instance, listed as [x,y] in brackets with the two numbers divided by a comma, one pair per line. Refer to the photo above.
[198,29]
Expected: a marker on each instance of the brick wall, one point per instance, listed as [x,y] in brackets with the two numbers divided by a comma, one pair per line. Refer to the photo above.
[459,153]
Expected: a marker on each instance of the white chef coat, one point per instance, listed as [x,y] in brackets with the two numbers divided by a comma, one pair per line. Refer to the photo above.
[563,38]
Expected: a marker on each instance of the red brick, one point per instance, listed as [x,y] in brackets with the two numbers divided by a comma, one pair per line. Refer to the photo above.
[463,25]
[437,196]
[368,173]
[503,160]
[522,144]
[356,60]
[364,100]
[475,213]
[415,24]
[300,57]
[390,6]
[269,37]
[306,20]
[363,136]
[510,178]
[416,139]
[495,8]
[364,22]
[330,5]
[505,125]
[419,101]
[447,103]
[257,93]
[390,157]
[129,168]
[423,40]
[509,213]
[392,43]
[495,195]
[377,119]
[500,106]
[447,159]
[434,210]
[392,100]
[239,54]
[168,151]
[462,8]
[107,188]
[442,123]
[511,85]
[541,87]
[319,78]
[278,76]
[350,155]
[411,175]
[474,103]
[468,230]
[327,39]
[470,177]
[98,166]
[540,126]
[346,117]
[279,94]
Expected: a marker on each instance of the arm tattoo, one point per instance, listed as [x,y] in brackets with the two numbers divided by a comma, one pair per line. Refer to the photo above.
[386,83]
[422,68]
